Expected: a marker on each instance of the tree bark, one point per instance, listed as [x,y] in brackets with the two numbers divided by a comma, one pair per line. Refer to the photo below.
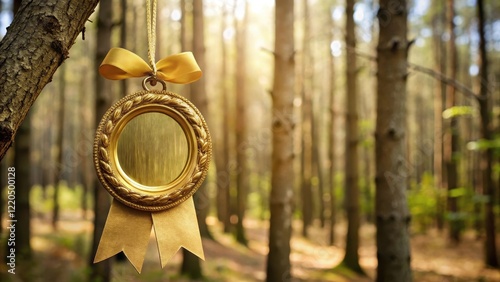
[491,257]
[36,43]
[278,260]
[351,258]
[392,214]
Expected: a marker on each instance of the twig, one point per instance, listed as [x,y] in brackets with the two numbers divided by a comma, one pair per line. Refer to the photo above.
[435,74]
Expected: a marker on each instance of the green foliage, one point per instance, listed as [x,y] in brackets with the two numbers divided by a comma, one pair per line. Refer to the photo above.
[458,111]
[422,200]
[42,200]
[483,144]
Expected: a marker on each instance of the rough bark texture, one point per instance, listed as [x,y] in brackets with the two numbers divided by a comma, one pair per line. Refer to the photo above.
[351,258]
[392,215]
[101,270]
[36,43]
[452,135]
[486,164]
[278,260]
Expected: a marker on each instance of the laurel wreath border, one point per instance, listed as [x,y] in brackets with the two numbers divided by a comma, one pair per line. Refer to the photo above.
[106,175]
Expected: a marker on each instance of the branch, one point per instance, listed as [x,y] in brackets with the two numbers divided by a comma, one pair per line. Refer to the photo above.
[435,74]
[36,44]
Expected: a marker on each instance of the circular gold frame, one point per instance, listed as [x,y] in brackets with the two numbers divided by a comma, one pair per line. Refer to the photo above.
[122,187]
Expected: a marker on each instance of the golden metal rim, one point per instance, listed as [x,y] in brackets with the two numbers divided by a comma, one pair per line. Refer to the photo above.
[122,187]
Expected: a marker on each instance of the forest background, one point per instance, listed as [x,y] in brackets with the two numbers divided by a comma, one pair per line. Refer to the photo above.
[454,207]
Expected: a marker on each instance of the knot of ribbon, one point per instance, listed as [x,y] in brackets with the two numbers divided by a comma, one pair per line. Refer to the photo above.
[121,63]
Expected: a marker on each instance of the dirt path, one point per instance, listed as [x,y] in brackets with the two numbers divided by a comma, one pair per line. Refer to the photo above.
[62,256]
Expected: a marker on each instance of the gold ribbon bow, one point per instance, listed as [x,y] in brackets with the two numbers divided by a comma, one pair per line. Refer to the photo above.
[120,63]
[128,229]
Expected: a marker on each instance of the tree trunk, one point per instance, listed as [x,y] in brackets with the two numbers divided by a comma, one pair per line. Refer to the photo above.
[392,215]
[243,175]
[123,40]
[440,60]
[222,151]
[451,146]
[22,156]
[306,142]
[278,260]
[35,45]
[331,135]
[351,258]
[101,270]
[59,143]
[191,264]
[487,134]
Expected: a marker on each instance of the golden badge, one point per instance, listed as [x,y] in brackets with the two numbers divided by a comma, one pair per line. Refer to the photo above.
[151,152]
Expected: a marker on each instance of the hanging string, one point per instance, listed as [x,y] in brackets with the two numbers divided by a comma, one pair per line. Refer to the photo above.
[151,26]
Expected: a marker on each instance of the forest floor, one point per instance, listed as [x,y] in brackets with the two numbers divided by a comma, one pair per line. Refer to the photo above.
[62,256]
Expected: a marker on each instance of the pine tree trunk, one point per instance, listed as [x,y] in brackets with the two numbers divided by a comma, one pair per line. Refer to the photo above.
[451,149]
[191,264]
[278,260]
[392,215]
[101,270]
[222,149]
[59,143]
[487,134]
[35,45]
[331,136]
[440,61]
[243,174]
[22,167]
[351,258]
[307,139]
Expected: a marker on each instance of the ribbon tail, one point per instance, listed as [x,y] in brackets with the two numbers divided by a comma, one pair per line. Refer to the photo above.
[126,230]
[176,228]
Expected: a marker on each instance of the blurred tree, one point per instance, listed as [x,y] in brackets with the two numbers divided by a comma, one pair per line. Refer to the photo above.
[391,209]
[306,124]
[485,100]
[191,263]
[451,145]
[38,40]
[22,156]
[331,132]
[101,271]
[439,97]
[124,22]
[351,258]
[242,142]
[59,144]
[278,260]
[222,151]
